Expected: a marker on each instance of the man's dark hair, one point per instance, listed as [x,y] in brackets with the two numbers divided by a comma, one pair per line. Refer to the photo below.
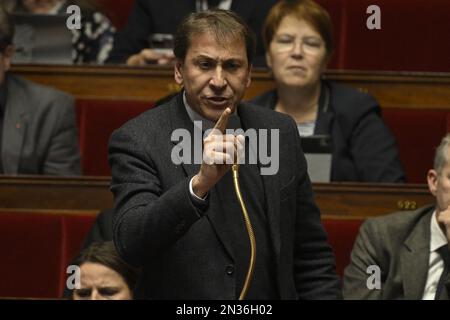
[105,253]
[222,24]
[6,29]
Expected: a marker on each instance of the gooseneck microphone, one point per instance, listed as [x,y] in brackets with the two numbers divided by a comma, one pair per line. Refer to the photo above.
[234,123]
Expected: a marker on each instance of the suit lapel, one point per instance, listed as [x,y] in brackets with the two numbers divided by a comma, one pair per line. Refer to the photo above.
[414,258]
[180,120]
[271,183]
[14,127]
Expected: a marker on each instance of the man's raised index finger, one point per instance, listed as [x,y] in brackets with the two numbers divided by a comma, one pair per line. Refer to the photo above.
[221,124]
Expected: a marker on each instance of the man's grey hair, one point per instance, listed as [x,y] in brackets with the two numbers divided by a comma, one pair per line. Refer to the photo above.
[6,28]
[440,158]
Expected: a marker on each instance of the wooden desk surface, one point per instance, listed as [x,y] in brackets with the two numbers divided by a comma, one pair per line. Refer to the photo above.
[88,194]
[392,89]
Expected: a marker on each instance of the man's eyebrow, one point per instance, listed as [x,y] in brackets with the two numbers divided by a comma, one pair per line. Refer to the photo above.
[204,57]
[232,59]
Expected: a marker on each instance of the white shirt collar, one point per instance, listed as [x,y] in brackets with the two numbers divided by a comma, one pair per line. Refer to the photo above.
[438,238]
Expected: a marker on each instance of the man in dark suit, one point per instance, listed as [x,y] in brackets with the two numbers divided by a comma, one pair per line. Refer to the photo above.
[182,222]
[147,17]
[405,255]
[37,124]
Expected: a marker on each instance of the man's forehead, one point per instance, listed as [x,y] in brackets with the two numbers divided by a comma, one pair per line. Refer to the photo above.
[206,46]
[209,45]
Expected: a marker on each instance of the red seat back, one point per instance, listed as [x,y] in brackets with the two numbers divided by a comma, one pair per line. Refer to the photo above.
[418,133]
[411,37]
[97,119]
[117,10]
[341,236]
[36,249]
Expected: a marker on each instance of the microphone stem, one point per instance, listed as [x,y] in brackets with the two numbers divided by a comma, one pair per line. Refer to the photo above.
[251,235]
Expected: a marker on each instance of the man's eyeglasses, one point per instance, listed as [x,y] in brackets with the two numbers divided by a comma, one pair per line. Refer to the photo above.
[309,45]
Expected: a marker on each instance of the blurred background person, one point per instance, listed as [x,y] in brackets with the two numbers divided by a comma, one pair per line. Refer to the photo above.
[298,38]
[149,17]
[93,42]
[410,248]
[38,133]
[103,274]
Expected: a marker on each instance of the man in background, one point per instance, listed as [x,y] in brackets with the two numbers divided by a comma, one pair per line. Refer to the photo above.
[38,132]
[149,17]
[409,249]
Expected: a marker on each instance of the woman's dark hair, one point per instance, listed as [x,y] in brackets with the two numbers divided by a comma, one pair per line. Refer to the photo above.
[105,254]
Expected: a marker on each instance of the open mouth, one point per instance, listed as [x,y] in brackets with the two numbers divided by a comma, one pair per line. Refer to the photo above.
[218,101]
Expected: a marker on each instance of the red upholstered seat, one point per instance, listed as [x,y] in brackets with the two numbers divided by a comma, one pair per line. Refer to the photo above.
[75,227]
[335,9]
[117,10]
[97,119]
[413,36]
[32,247]
[341,236]
[418,133]
[36,249]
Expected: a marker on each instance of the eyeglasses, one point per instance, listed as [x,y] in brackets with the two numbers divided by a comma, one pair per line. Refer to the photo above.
[309,45]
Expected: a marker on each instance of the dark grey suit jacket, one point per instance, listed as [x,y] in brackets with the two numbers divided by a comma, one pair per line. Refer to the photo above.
[185,251]
[39,130]
[399,244]
[363,148]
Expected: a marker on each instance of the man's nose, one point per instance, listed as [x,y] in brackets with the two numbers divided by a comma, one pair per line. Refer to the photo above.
[218,78]
[95,295]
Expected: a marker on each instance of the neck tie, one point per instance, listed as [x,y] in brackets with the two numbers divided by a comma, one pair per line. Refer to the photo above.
[440,291]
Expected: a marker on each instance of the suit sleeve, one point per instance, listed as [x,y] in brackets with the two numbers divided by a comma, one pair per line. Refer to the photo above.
[147,219]
[63,156]
[314,262]
[372,145]
[364,254]
[134,36]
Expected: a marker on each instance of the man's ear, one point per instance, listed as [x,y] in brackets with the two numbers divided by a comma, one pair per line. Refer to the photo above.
[178,74]
[7,56]
[249,76]
[432,179]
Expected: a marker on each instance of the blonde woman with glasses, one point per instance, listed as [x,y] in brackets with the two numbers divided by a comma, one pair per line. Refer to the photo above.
[298,39]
